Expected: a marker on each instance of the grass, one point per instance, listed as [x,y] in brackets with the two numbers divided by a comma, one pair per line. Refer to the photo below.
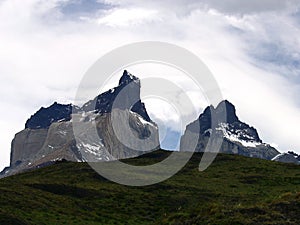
[233,190]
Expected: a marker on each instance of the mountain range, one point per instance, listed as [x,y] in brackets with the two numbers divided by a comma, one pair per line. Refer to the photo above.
[49,135]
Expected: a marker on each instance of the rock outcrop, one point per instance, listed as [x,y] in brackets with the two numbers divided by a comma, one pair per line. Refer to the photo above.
[288,157]
[238,137]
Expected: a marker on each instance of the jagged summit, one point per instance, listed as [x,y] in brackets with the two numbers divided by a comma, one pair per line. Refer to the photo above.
[127,78]
[44,117]
[239,137]
[103,103]
[233,128]
[223,107]
[231,116]
[128,92]
[230,125]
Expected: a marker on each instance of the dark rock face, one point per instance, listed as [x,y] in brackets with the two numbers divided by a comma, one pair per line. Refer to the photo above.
[49,134]
[46,116]
[239,137]
[127,95]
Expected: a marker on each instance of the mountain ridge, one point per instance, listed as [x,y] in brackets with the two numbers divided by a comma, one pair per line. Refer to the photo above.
[48,134]
[102,103]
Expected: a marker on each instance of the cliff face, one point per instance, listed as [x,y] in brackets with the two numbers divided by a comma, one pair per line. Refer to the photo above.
[128,136]
[49,135]
[26,145]
[238,137]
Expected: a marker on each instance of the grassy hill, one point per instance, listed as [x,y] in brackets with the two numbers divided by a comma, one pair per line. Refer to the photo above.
[233,190]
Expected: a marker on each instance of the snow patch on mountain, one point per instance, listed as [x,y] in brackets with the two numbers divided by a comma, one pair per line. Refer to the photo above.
[237,136]
[144,122]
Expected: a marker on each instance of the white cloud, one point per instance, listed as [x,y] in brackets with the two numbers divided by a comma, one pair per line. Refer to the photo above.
[224,6]
[254,6]
[43,56]
[127,17]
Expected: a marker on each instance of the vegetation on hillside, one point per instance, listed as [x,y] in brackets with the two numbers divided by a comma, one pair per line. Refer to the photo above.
[233,190]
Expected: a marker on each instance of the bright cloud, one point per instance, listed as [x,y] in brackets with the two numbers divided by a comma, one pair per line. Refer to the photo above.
[127,17]
[226,6]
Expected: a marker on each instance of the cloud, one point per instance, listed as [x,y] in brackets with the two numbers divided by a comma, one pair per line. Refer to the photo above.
[246,7]
[225,6]
[127,17]
[251,48]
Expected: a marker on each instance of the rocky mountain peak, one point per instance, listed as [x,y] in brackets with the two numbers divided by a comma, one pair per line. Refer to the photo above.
[239,137]
[231,116]
[128,78]
[222,108]
[230,125]
[49,134]
[127,94]
[103,103]
[44,117]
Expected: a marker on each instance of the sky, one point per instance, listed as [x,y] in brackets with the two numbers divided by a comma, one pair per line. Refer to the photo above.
[251,47]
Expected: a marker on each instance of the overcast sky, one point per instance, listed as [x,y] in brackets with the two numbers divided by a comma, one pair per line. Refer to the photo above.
[252,48]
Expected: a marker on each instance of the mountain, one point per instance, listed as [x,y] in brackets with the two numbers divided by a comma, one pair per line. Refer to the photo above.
[129,89]
[238,137]
[288,157]
[49,133]
[233,190]
[122,122]
[44,117]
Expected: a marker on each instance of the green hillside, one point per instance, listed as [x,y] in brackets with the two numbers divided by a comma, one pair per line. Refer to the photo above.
[233,190]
